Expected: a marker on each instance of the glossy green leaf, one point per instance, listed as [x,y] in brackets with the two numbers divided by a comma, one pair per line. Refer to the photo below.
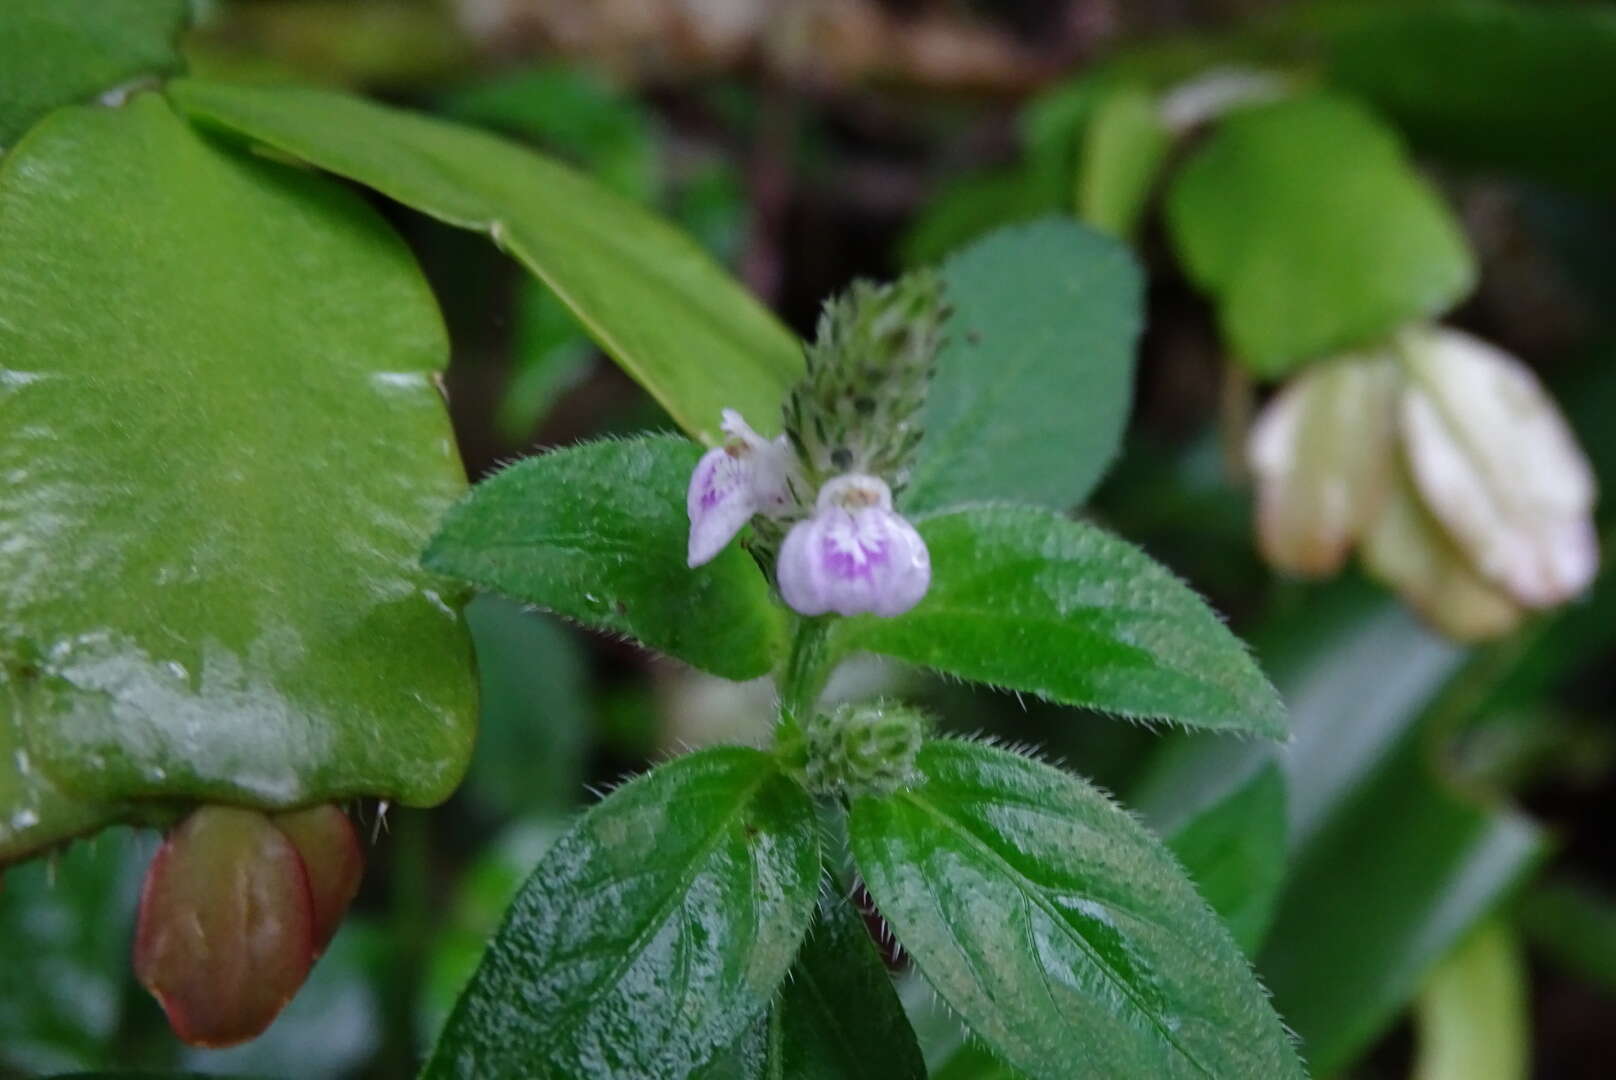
[1313,233]
[646,292]
[1234,851]
[837,1017]
[1522,88]
[1470,1021]
[1124,146]
[1058,927]
[1027,600]
[224,450]
[653,933]
[598,533]
[66,52]
[1034,381]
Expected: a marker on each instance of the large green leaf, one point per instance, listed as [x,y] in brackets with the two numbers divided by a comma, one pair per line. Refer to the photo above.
[1058,927]
[836,1018]
[1024,599]
[1034,381]
[1391,864]
[651,935]
[1524,88]
[65,52]
[224,450]
[1313,233]
[1234,851]
[646,292]
[598,533]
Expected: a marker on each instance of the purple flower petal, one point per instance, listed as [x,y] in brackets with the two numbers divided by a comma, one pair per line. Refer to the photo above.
[720,501]
[855,556]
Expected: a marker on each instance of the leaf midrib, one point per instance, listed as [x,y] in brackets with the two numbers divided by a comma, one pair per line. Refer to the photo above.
[1029,890]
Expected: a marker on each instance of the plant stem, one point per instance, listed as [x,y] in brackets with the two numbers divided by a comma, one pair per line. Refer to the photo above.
[808,668]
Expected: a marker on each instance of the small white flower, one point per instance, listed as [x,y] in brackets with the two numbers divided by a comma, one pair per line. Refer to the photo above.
[855,555]
[746,475]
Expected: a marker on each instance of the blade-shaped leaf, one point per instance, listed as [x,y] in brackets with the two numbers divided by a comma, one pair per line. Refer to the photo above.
[1058,927]
[1024,599]
[1034,381]
[646,292]
[1313,233]
[598,533]
[1234,851]
[224,449]
[65,52]
[651,935]
[837,1017]
[1122,151]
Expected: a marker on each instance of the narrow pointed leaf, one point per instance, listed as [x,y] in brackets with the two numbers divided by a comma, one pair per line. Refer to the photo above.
[1313,232]
[1027,600]
[1035,376]
[645,292]
[598,533]
[67,52]
[652,934]
[1058,927]
[224,450]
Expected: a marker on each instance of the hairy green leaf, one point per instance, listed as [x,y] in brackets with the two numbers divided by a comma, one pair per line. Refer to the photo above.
[66,52]
[224,450]
[651,935]
[646,292]
[1313,233]
[598,533]
[1024,599]
[1234,851]
[1035,378]
[837,1017]
[1058,927]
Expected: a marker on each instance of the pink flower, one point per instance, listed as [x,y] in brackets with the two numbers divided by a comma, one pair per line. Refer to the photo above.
[855,555]
[745,476]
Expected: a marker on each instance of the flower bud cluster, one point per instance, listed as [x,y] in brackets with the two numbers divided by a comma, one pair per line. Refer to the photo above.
[866,749]
[1448,465]
[852,426]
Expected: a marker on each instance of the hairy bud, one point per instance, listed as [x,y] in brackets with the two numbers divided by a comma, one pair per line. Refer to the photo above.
[863,749]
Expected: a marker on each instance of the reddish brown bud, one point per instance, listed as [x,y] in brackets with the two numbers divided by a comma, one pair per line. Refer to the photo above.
[225,934]
[334,859]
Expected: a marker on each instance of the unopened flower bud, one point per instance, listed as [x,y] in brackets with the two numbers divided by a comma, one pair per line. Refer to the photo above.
[333,859]
[225,933]
[855,555]
[1495,462]
[1323,452]
[863,749]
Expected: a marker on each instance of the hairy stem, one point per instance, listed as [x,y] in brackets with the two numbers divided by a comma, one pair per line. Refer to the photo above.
[808,669]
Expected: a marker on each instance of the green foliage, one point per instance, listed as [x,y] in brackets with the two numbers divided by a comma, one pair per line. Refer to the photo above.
[1574,927]
[1124,146]
[1471,1019]
[1024,599]
[1057,927]
[1312,232]
[1033,383]
[1524,89]
[836,1017]
[1234,851]
[598,533]
[226,449]
[66,52]
[651,935]
[645,292]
